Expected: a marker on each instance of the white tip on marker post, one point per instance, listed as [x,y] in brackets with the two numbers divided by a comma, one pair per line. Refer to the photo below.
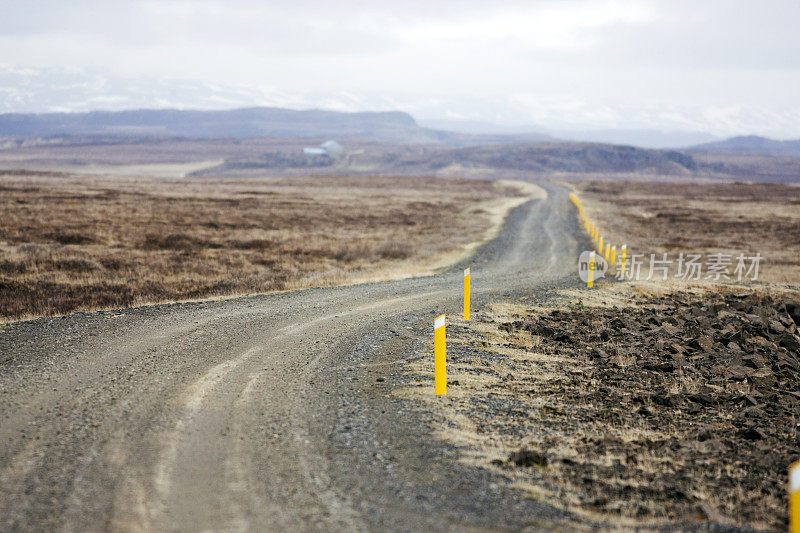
[439,356]
[794,497]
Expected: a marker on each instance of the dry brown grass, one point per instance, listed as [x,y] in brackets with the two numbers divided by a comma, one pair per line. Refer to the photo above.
[729,218]
[70,242]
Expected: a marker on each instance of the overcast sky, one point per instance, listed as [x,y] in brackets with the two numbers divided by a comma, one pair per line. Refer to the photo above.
[718,66]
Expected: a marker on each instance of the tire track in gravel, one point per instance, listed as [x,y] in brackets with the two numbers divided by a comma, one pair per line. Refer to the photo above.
[256,413]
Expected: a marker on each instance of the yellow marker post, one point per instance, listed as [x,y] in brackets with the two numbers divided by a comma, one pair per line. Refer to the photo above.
[613,255]
[439,357]
[590,275]
[466,294]
[592,233]
[608,251]
[600,246]
[794,497]
[623,253]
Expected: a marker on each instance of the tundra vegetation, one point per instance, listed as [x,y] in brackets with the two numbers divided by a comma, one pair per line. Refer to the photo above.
[73,242]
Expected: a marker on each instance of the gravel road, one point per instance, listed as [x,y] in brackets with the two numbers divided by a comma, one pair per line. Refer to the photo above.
[268,412]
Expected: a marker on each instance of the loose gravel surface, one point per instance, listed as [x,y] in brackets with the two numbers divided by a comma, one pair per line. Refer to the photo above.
[270,412]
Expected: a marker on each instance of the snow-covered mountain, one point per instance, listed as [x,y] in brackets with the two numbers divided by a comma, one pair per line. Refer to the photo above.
[48,90]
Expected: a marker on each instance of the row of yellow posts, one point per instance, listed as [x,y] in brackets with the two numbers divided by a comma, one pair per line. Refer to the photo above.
[609,252]
[440,342]
[604,248]
[439,325]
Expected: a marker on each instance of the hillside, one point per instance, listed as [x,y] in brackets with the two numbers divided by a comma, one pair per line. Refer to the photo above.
[751,144]
[578,157]
[529,159]
[250,122]
[149,124]
[452,155]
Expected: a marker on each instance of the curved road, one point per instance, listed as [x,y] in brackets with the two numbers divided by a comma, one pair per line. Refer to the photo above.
[269,412]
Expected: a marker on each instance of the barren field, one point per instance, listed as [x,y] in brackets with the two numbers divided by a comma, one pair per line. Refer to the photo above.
[74,243]
[702,219]
[629,409]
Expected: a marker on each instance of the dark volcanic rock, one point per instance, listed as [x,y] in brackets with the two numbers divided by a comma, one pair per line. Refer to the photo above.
[751,434]
[526,457]
[793,310]
[790,342]
[703,343]
[707,381]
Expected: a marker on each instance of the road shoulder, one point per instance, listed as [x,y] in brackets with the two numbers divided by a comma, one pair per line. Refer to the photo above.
[627,406]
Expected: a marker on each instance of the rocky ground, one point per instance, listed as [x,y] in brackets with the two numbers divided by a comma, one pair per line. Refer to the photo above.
[679,409]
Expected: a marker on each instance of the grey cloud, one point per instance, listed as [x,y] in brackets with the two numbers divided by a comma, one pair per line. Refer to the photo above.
[689,56]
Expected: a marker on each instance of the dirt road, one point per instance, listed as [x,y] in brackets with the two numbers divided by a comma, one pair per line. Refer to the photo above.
[268,412]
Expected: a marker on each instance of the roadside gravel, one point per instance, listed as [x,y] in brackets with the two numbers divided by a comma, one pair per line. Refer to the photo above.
[262,412]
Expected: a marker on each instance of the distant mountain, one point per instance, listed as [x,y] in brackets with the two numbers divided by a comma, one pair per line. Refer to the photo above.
[644,138]
[392,126]
[501,119]
[569,157]
[751,144]
[250,122]
[486,160]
